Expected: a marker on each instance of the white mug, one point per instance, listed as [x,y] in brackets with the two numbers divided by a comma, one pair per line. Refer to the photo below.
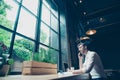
[72,68]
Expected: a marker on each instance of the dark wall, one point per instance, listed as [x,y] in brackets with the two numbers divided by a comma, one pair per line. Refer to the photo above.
[72,36]
[106,43]
[108,47]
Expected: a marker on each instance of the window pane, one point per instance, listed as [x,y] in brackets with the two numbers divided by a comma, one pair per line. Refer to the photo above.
[18,0]
[23,51]
[5,36]
[33,7]
[54,23]
[23,48]
[63,30]
[8,17]
[47,3]
[48,55]
[62,18]
[44,35]
[45,15]
[26,24]
[63,39]
[4,42]
[54,56]
[54,40]
[54,10]
[64,48]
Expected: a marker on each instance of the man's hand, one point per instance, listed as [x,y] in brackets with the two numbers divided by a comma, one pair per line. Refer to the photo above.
[80,57]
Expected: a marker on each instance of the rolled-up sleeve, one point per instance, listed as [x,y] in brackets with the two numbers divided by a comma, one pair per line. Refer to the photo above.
[89,63]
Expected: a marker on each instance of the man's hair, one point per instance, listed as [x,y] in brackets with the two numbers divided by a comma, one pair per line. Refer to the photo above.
[83,44]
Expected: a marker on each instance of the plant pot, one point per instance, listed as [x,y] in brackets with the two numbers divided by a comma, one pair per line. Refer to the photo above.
[4,70]
[37,68]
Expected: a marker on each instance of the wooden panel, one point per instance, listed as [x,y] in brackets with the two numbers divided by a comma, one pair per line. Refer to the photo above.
[33,67]
[38,64]
[36,71]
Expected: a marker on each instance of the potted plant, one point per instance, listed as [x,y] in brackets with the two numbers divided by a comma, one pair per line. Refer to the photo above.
[5,61]
[42,62]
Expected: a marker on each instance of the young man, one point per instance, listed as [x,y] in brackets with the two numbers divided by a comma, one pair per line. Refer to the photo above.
[92,63]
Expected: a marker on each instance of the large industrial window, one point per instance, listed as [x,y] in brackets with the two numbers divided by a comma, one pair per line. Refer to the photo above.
[23,27]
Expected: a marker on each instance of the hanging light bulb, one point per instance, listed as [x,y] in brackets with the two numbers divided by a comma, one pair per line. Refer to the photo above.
[80,1]
[84,38]
[90,32]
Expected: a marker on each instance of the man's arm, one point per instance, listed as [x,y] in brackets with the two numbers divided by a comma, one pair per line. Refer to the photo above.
[88,65]
[79,71]
[80,57]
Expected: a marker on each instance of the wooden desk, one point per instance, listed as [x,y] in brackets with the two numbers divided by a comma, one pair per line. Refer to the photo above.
[45,77]
[75,77]
[29,77]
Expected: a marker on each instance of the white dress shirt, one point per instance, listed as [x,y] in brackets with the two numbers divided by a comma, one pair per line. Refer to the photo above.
[93,65]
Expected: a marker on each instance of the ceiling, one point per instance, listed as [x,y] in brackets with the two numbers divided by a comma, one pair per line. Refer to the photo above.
[102,15]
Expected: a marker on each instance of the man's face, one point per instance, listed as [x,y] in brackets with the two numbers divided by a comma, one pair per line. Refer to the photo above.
[81,48]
